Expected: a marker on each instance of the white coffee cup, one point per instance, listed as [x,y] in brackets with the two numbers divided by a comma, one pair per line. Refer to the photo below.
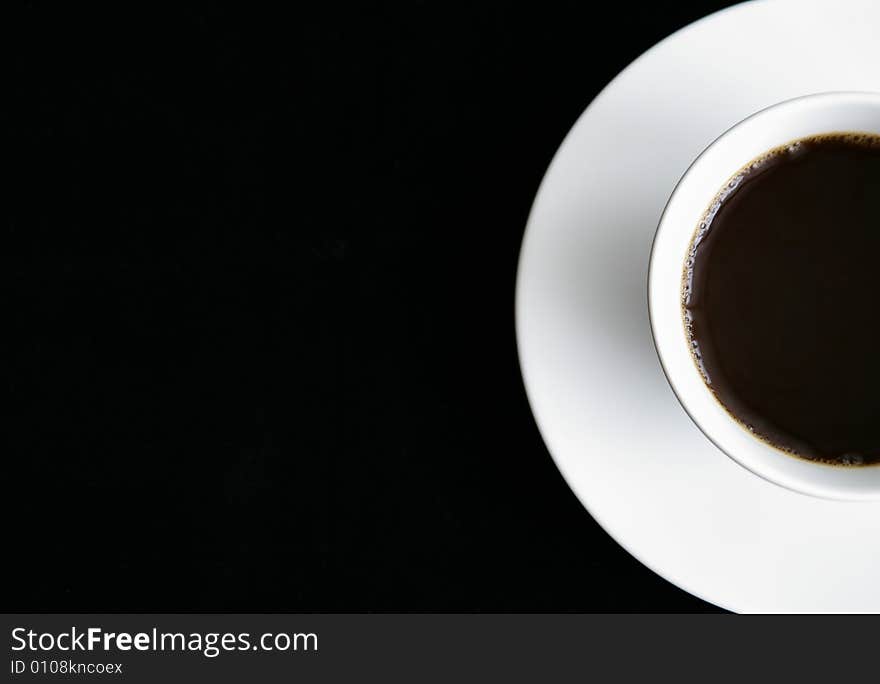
[712,170]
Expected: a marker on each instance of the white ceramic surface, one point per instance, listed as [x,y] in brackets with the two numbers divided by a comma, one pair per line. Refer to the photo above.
[770,128]
[618,435]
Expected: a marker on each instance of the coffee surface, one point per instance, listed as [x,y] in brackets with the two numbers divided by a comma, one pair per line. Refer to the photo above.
[782,298]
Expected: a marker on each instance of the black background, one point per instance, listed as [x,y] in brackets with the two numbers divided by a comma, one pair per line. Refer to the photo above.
[259,312]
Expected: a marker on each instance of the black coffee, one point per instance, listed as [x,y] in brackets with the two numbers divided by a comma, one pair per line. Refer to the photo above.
[782,298]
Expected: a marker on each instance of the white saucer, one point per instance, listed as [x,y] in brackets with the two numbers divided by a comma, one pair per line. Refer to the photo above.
[604,408]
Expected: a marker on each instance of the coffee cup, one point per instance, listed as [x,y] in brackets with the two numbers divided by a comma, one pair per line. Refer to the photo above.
[769,129]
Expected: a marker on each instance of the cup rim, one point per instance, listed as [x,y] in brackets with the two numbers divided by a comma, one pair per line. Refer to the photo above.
[829,492]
